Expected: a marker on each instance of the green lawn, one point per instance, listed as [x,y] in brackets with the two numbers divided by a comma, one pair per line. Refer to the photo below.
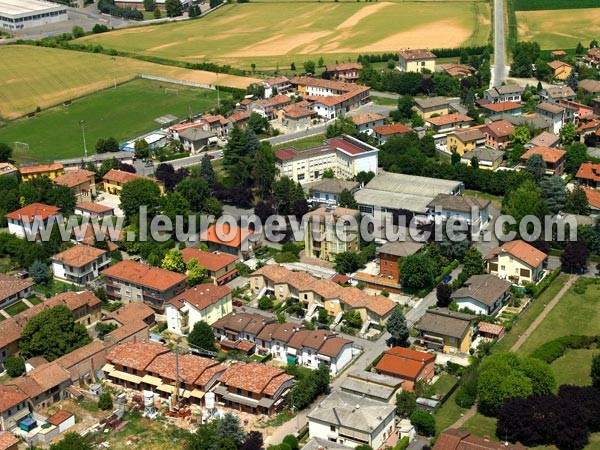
[448,413]
[574,367]
[55,288]
[481,426]
[495,199]
[34,300]
[384,101]
[444,384]
[303,144]
[16,308]
[123,113]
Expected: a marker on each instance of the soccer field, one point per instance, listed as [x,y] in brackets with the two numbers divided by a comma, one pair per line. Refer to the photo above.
[123,113]
[32,77]
[269,34]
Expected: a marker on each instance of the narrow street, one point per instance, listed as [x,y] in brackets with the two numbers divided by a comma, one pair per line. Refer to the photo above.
[499,68]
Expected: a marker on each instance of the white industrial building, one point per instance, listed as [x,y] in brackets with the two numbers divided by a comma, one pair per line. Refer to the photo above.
[19,14]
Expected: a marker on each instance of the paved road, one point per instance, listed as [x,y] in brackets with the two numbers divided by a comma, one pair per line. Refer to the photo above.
[384,95]
[282,139]
[499,68]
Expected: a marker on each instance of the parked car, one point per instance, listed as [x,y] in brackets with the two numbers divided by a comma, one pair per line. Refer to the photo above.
[447,279]
[238,303]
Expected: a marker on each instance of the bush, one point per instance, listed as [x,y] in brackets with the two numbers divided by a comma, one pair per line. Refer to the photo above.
[552,350]
[286,257]
[323,316]
[105,402]
[423,422]
[15,366]
[463,398]
[402,444]
[266,302]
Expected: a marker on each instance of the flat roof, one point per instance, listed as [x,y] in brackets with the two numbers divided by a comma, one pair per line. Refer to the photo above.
[21,8]
[411,184]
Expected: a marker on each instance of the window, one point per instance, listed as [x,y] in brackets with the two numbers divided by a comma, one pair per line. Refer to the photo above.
[502,267]
[332,427]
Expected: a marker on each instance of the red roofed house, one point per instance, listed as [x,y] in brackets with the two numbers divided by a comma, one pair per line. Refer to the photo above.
[553,157]
[202,303]
[448,122]
[268,107]
[347,72]
[518,261]
[453,439]
[497,134]
[8,441]
[114,180]
[220,267]
[13,289]
[80,264]
[93,210]
[51,171]
[408,365]
[310,348]
[384,132]
[589,175]
[27,221]
[231,240]
[131,312]
[80,181]
[130,281]
[415,60]
[274,86]
[13,407]
[297,116]
[367,121]
[593,197]
[497,109]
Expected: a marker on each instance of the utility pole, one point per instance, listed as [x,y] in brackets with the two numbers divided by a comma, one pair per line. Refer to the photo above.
[177,374]
[82,123]
[218,98]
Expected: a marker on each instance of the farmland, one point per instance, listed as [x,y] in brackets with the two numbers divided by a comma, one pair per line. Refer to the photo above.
[42,77]
[123,113]
[535,5]
[273,34]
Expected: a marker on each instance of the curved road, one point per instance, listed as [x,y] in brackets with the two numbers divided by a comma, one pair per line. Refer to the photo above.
[499,68]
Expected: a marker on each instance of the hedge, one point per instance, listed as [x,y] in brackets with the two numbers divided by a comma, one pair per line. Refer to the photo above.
[423,292]
[546,282]
[552,350]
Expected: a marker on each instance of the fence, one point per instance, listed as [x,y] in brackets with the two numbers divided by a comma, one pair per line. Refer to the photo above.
[175,81]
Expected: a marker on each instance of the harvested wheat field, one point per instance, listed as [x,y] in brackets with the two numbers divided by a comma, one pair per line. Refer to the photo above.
[269,34]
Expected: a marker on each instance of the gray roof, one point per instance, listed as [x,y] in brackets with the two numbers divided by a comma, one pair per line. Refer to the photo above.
[95,158]
[550,107]
[560,92]
[507,89]
[470,135]
[401,249]
[458,203]
[392,200]
[445,322]
[544,139]
[484,154]
[331,186]
[316,443]
[371,390]
[377,378]
[412,184]
[486,289]
[591,86]
[195,134]
[351,411]
[431,102]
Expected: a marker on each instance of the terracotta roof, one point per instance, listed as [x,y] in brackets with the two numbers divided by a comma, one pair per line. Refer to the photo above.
[345,144]
[191,366]
[333,100]
[231,238]
[145,275]
[135,355]
[213,262]
[447,119]
[313,339]
[274,102]
[70,299]
[59,417]
[333,346]
[501,128]
[403,362]
[431,102]
[593,197]
[75,178]
[201,296]
[273,272]
[7,440]
[456,70]
[10,396]
[544,139]
[557,64]
[560,92]
[10,286]
[277,80]
[333,212]
[120,176]
[344,66]
[212,119]
[296,112]
[490,328]
[79,255]
[361,119]
[550,155]
[253,377]
[486,289]
[521,250]
[38,211]
[325,288]
[81,354]
[559,53]
[240,116]
[86,234]
[453,439]
[340,279]
[276,383]
[127,330]
[470,135]
[591,86]
[327,84]
[40,168]
[209,373]
[299,280]
[589,171]
[241,321]
[394,128]
[502,106]
[416,54]
[42,379]
[93,207]
[131,312]
[7,168]
[278,331]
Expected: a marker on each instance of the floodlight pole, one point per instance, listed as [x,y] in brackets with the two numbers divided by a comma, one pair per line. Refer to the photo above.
[82,123]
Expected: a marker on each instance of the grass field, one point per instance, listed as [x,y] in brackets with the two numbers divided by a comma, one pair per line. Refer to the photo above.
[42,77]
[559,29]
[302,144]
[277,33]
[123,113]
[534,5]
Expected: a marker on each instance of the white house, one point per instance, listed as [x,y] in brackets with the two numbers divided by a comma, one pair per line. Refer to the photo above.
[274,339]
[80,264]
[311,348]
[13,289]
[483,294]
[506,93]
[554,113]
[204,302]
[28,221]
[470,210]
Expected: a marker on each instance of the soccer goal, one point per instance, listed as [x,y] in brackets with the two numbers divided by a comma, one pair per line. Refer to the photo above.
[21,146]
[170,91]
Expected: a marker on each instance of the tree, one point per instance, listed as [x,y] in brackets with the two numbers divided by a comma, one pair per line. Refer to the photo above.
[173,204]
[195,190]
[137,193]
[397,327]
[320,63]
[424,422]
[173,8]
[149,5]
[417,271]
[346,200]
[202,336]
[165,173]
[293,67]
[593,43]
[406,403]
[473,263]
[5,152]
[580,49]
[206,171]
[212,206]
[72,441]
[554,193]
[52,333]
[173,261]
[595,371]
[405,105]
[194,11]
[229,427]
[254,441]
[443,293]
[524,201]
[290,439]
[15,366]
[574,258]
[567,134]
[455,158]
[258,123]
[105,402]
[342,125]
[141,147]
[102,329]
[309,67]
[577,202]
[536,166]
[309,388]
[195,272]
[521,135]
[40,273]
[576,155]
[265,170]
[77,32]
[347,262]
[157,14]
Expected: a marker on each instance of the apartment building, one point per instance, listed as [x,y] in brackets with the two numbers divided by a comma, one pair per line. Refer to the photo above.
[220,267]
[51,171]
[80,264]
[27,222]
[415,60]
[324,239]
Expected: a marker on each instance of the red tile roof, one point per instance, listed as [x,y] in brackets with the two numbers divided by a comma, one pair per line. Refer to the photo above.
[333,346]
[491,328]
[453,439]
[75,178]
[131,312]
[201,296]
[10,396]
[7,440]
[344,66]
[404,363]
[191,367]
[593,197]
[521,250]
[550,155]
[416,54]
[361,119]
[589,171]
[500,128]
[135,355]
[447,119]
[10,286]
[213,261]
[40,168]
[393,128]
[37,211]
[59,417]
[231,238]
[42,379]
[120,176]
[145,275]
[254,377]
[502,106]
[79,255]
[93,207]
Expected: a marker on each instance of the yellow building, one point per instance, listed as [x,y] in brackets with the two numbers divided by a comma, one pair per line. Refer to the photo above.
[465,141]
[516,261]
[415,60]
[114,180]
[324,240]
[447,331]
[487,158]
[51,171]
[561,70]
[431,106]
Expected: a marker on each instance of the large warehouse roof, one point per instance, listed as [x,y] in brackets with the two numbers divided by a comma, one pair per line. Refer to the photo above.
[412,184]
[24,8]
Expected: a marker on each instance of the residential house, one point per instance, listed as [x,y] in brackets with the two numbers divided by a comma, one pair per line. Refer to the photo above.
[8,169]
[195,140]
[136,331]
[589,87]
[13,407]
[372,385]
[332,107]
[83,363]
[554,113]
[506,93]
[44,385]
[553,157]
[240,326]
[321,234]
[384,132]
[367,121]
[31,219]
[220,267]
[430,106]
[544,139]
[310,87]
[224,238]
[409,365]
[327,191]
[454,439]
[497,134]
[51,171]
[560,70]
[62,420]
[126,363]
[268,107]
[462,142]
[516,261]
[80,265]
[277,85]
[93,210]
[316,443]
[577,112]
[483,294]
[131,312]
[13,289]
[81,182]
[593,197]
[352,420]
[345,155]
[445,331]
[556,94]
[390,255]
[215,124]
[588,174]
[589,129]
[201,303]
[415,60]
[474,212]
[297,117]
[487,158]
[274,339]
[491,331]
[8,441]
[240,118]
[448,122]
[346,72]
[254,388]
[115,179]
[459,71]
[496,110]
[531,121]
[310,348]
[558,54]
[130,281]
